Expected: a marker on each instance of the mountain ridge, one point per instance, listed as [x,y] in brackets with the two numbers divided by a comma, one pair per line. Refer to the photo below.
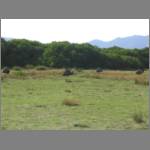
[131,42]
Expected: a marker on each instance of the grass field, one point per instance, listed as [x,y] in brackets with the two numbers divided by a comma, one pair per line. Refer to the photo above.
[38,100]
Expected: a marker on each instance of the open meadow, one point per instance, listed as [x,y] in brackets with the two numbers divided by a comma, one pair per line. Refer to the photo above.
[46,100]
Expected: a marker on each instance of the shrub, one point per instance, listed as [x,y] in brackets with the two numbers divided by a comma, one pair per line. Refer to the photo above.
[16,68]
[41,68]
[71,102]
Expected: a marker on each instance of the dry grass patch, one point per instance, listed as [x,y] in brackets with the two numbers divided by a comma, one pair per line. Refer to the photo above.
[14,74]
[71,102]
[17,68]
[36,74]
[141,81]
[45,73]
[3,76]
[41,68]
[120,75]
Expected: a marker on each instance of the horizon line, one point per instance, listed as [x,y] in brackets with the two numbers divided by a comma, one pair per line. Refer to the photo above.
[12,38]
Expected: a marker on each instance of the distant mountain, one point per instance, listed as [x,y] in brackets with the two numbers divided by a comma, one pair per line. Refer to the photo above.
[130,42]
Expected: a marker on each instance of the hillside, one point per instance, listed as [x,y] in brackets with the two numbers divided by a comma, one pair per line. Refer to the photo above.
[130,42]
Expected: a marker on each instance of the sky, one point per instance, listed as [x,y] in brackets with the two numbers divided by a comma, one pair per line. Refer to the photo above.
[72,30]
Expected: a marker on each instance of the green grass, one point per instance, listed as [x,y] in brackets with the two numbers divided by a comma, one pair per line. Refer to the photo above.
[105,103]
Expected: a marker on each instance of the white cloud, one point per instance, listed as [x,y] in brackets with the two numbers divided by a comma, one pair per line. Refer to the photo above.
[73,30]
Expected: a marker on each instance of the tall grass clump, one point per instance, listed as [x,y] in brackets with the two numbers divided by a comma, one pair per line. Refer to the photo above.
[3,76]
[141,81]
[78,69]
[17,68]
[19,73]
[41,68]
[29,66]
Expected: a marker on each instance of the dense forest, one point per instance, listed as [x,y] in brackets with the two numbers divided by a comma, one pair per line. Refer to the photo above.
[22,52]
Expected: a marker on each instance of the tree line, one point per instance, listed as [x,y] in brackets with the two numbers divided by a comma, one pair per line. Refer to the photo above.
[22,52]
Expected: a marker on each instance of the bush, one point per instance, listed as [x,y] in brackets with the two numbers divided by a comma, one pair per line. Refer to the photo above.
[41,68]
[71,102]
[17,68]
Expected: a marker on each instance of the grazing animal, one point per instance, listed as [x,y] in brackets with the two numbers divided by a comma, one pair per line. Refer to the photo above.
[99,69]
[140,71]
[6,70]
[67,72]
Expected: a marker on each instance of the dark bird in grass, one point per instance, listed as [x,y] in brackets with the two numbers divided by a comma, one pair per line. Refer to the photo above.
[6,70]
[139,71]
[99,69]
[67,72]
[81,125]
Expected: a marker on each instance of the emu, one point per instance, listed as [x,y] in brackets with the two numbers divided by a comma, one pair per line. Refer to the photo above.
[140,71]
[6,70]
[67,72]
[99,69]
